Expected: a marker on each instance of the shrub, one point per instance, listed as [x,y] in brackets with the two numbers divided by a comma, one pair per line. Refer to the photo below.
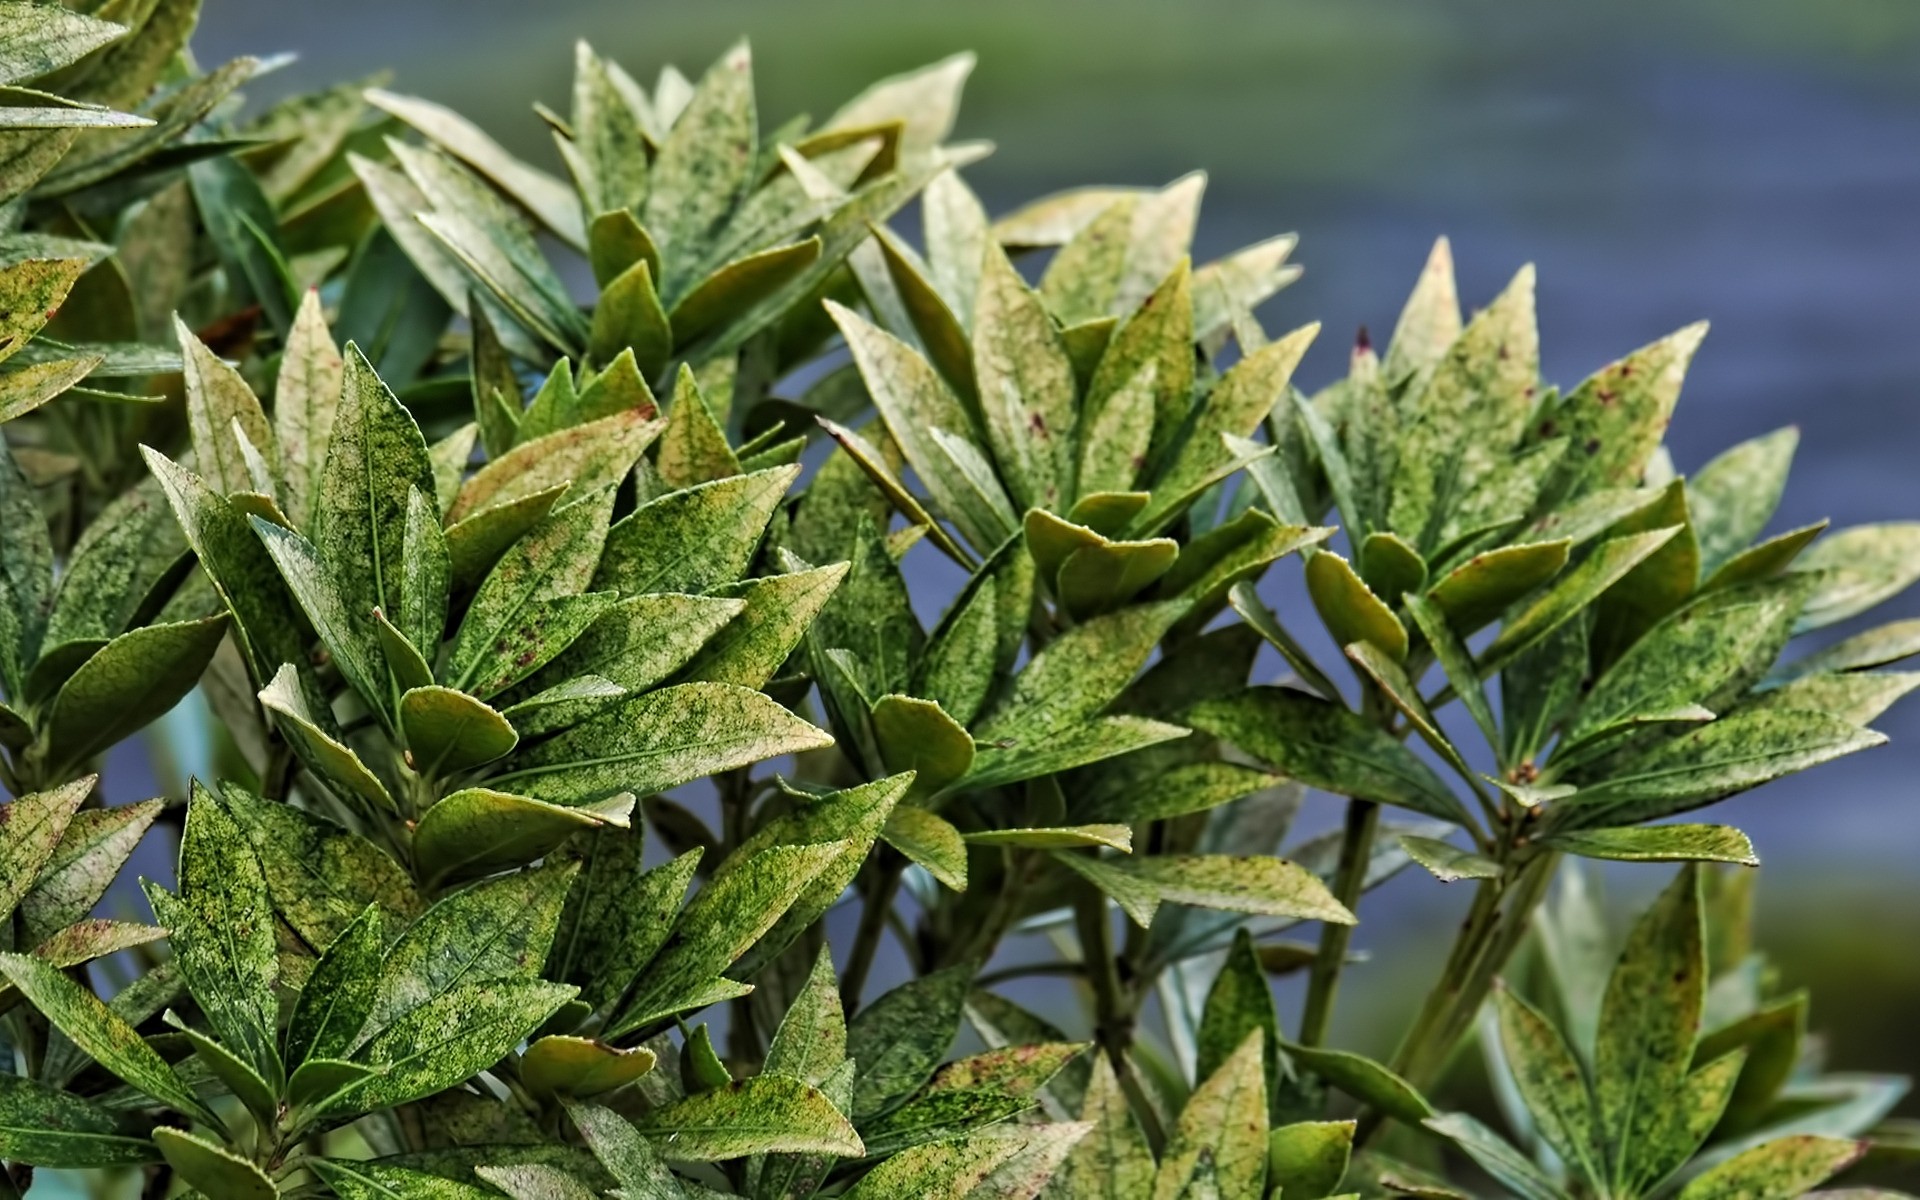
[420,942]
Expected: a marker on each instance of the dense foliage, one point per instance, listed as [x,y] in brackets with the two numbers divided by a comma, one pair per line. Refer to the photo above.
[304,410]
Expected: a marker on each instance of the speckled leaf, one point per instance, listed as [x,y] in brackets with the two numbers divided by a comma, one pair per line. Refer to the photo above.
[592,456]
[1262,886]
[1446,862]
[1858,697]
[1661,843]
[939,1170]
[627,1155]
[694,448]
[1720,758]
[361,1179]
[546,197]
[1473,409]
[1655,586]
[1480,589]
[779,609]
[31,829]
[30,293]
[900,1038]
[1777,1170]
[1764,560]
[1571,593]
[734,289]
[1239,1002]
[535,1181]
[211,1168]
[1733,497]
[657,741]
[1649,1018]
[1057,837]
[66,885]
[133,680]
[1616,418]
[1113,1161]
[334,1002]
[617,915]
[643,640]
[1224,1123]
[1430,321]
[217,399]
[703,166]
[718,926]
[1494,1155]
[1553,1084]
[1351,611]
[105,1037]
[332,760]
[608,142]
[767,1114]
[26,576]
[939,1115]
[499,929]
[918,735]
[1114,441]
[1718,642]
[1328,746]
[692,540]
[319,875]
[1027,390]
[1080,672]
[1010,757]
[478,831]
[931,841]
[125,561]
[45,1127]
[1861,567]
[957,669]
[416,1056]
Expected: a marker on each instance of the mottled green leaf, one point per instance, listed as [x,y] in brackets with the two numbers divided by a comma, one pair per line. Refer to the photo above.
[477,831]
[1859,568]
[627,1155]
[332,760]
[754,645]
[1080,672]
[133,680]
[1480,589]
[900,1038]
[920,736]
[1553,1084]
[1733,497]
[692,540]
[644,640]
[65,886]
[1446,862]
[931,841]
[212,1168]
[1262,886]
[1571,593]
[1224,1124]
[416,1056]
[1430,321]
[590,457]
[1113,1161]
[1661,843]
[704,163]
[763,1115]
[45,1127]
[1775,1170]
[939,1170]
[1328,746]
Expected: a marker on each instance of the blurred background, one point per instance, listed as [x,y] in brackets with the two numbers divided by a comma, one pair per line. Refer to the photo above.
[1756,162]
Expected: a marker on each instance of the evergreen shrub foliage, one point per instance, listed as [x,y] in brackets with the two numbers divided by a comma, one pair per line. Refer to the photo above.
[312,410]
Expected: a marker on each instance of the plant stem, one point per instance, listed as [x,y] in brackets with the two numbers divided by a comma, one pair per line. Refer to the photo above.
[1356,848]
[1112,1005]
[873,925]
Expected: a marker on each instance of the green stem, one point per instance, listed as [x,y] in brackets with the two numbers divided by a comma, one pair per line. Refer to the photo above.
[1323,984]
[1113,1005]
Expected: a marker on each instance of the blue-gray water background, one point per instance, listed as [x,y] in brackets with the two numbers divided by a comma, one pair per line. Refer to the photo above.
[1756,163]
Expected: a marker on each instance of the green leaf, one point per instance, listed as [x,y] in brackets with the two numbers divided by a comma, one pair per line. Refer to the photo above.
[1733,497]
[608,140]
[336,764]
[1775,1170]
[1430,322]
[1718,759]
[779,608]
[222,933]
[656,741]
[694,539]
[722,923]
[1649,1017]
[26,577]
[211,1168]
[425,578]
[478,831]
[126,563]
[1571,593]
[931,842]
[1328,746]
[627,1155]
[871,615]
[1224,1125]
[641,641]
[1262,886]
[1616,418]
[1113,1161]
[319,875]
[1026,388]
[496,930]
[1480,589]
[45,1127]
[305,400]
[1875,648]
[1660,843]
[535,1181]
[1101,577]
[945,1170]
[1013,758]
[1860,567]
[764,1115]
[694,449]
[1309,1158]
[66,885]
[811,1041]
[415,1056]
[1239,1002]
[734,289]
[1351,611]
[573,1066]
[939,1115]
[30,832]
[1080,672]
[318,1080]
[590,457]
[1553,1084]
[1365,1080]
[105,1037]
[448,732]
[1057,837]
[1474,407]
[901,1037]
[1768,1041]
[133,680]
[705,161]
[1446,862]
[1495,1156]
[617,914]
[361,1179]
[40,42]
[1765,560]
[919,736]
